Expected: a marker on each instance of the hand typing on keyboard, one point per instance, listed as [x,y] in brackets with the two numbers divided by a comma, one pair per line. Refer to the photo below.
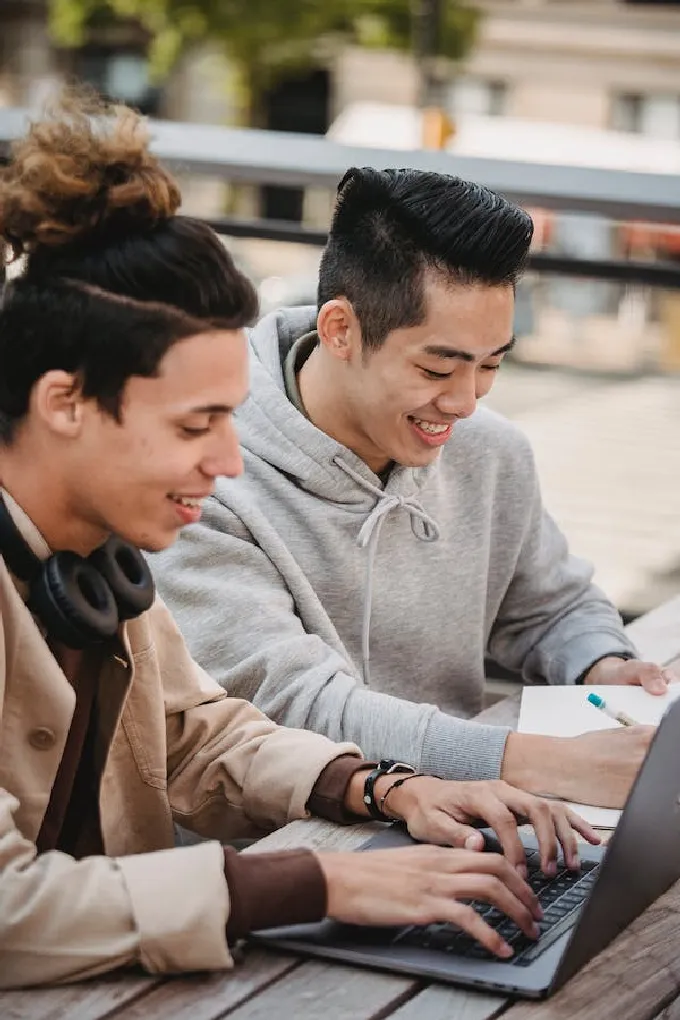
[420,885]
[438,811]
[560,897]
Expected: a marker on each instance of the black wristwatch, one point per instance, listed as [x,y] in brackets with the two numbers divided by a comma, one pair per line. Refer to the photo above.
[386,767]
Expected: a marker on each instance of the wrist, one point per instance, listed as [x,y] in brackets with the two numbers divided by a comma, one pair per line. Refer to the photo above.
[534,763]
[402,795]
[368,789]
[601,670]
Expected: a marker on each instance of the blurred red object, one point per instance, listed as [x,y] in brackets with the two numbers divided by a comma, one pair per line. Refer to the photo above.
[639,238]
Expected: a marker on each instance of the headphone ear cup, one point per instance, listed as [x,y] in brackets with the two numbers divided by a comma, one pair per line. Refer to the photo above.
[73,601]
[127,574]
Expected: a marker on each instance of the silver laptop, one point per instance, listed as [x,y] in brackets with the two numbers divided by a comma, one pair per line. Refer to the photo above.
[583,911]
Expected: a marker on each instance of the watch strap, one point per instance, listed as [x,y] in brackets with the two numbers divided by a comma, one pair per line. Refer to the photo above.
[385,767]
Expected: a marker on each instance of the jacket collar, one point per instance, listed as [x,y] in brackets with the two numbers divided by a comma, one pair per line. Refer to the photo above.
[31,536]
[26,527]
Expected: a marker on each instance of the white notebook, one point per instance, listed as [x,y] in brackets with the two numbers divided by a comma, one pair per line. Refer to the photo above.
[565,712]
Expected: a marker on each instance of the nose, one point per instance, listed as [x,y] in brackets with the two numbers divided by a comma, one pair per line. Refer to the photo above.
[225,458]
[460,396]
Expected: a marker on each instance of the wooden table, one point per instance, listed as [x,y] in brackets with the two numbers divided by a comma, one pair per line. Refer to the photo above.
[636,978]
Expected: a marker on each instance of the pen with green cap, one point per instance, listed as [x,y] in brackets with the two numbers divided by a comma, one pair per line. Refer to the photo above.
[621,717]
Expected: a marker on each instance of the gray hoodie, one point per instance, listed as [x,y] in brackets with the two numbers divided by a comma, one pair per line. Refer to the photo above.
[364,611]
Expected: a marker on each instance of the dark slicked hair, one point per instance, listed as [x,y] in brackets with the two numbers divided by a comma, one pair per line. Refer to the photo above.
[391,226]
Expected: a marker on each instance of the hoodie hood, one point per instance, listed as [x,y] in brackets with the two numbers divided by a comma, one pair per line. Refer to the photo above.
[271,428]
[274,431]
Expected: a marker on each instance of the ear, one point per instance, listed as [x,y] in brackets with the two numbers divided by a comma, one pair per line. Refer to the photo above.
[338,329]
[58,402]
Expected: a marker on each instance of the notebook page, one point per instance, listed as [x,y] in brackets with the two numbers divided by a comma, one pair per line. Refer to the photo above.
[565,712]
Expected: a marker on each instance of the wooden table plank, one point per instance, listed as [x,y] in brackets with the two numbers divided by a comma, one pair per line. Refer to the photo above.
[317,991]
[316,835]
[439,1002]
[90,1001]
[205,997]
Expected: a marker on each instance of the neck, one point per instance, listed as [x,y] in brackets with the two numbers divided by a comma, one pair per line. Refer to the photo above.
[330,409]
[41,494]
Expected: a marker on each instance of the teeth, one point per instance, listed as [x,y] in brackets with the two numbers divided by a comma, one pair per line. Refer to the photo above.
[430,426]
[187,501]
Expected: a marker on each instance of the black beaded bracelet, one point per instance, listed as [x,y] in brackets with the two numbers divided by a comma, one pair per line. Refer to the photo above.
[393,786]
[386,767]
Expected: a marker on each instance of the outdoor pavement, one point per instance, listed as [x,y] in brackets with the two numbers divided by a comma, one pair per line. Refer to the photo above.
[608,456]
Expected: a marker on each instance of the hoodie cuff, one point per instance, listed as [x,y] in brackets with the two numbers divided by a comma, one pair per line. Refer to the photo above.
[327,799]
[579,656]
[269,890]
[462,750]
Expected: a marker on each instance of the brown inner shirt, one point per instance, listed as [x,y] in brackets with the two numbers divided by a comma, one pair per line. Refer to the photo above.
[71,822]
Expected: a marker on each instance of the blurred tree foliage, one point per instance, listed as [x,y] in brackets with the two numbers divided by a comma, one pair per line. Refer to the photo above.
[265,40]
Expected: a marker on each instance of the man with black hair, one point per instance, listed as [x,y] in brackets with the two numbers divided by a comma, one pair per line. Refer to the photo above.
[388,532]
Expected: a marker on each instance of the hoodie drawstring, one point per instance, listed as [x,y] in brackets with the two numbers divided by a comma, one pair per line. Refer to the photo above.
[369,537]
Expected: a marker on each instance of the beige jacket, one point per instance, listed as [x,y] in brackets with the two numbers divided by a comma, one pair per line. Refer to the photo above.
[178,748]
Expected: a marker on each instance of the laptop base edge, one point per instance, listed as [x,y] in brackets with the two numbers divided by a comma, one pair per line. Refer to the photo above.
[494,977]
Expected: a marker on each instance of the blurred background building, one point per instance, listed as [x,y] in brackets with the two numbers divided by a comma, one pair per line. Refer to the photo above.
[607,64]
[595,381]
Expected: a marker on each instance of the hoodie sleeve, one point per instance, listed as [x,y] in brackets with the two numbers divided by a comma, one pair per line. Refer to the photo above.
[241,624]
[553,623]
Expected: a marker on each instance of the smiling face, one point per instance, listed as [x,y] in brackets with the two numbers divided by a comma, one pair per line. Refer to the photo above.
[144,476]
[401,402]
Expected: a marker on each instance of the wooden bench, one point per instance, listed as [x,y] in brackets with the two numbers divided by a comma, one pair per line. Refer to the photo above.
[636,978]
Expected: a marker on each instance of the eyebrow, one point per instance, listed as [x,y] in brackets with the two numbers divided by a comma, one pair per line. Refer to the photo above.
[210,409]
[438,351]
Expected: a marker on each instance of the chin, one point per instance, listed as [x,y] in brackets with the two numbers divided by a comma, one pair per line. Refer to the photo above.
[411,460]
[157,543]
[149,541]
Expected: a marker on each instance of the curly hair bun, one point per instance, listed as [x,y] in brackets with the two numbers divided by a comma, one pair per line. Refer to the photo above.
[84,170]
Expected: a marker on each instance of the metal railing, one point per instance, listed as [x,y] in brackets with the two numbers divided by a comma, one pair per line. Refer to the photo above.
[652,274]
[278,158]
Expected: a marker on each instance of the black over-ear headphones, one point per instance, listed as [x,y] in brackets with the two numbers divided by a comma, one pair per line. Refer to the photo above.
[80,601]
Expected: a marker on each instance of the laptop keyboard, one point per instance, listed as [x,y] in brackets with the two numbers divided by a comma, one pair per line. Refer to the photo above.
[561,898]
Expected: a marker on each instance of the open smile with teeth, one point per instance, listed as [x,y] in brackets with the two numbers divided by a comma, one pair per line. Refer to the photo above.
[435,428]
[187,500]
